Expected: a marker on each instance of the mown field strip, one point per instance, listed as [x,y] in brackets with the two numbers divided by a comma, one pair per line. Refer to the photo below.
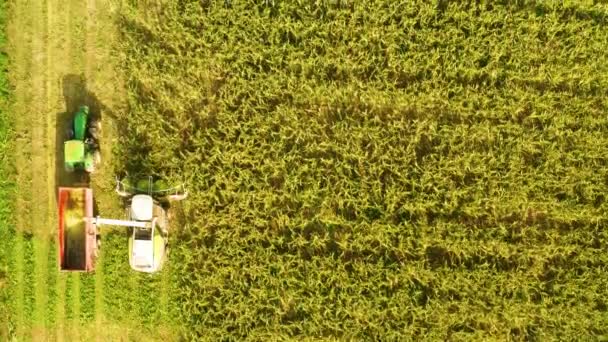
[41,223]
[63,47]
[50,42]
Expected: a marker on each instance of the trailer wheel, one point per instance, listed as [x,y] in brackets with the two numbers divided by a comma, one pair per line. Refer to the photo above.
[97,246]
[97,125]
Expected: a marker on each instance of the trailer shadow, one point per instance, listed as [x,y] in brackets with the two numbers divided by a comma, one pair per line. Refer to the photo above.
[75,94]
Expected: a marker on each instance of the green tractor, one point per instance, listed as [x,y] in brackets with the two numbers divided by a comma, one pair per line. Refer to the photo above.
[81,149]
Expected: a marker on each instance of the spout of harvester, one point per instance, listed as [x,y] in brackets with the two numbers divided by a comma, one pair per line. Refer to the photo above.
[98,221]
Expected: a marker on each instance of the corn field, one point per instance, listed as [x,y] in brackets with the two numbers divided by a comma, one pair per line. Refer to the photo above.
[376,170]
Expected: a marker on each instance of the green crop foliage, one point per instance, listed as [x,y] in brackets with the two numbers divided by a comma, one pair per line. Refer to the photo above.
[87,298]
[375,170]
[51,282]
[118,290]
[69,301]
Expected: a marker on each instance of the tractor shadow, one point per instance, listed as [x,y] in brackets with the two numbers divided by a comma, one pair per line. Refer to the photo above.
[75,94]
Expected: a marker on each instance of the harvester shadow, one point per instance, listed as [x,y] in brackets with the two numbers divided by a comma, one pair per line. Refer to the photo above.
[75,94]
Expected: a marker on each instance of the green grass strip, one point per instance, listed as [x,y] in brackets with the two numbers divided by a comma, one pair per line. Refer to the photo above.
[7,186]
[52,275]
[87,298]
[118,301]
[68,302]
[29,263]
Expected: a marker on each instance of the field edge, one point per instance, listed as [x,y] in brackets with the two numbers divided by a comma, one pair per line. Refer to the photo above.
[7,187]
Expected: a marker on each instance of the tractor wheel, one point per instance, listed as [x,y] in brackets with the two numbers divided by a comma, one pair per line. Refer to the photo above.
[95,129]
[69,133]
[94,133]
[97,157]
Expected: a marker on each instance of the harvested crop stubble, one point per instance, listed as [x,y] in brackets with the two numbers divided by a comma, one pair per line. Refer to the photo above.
[376,169]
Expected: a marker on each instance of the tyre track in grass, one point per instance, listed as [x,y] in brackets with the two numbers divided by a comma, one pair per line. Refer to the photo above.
[52,278]
[55,286]
[64,46]
[92,306]
[91,76]
[40,144]
[74,98]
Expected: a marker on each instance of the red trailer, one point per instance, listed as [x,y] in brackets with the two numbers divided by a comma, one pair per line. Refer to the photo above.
[77,234]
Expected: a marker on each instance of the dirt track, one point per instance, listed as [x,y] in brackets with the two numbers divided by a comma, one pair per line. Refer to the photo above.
[61,58]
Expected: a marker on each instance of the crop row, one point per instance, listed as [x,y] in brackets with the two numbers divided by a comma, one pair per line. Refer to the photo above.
[376,170]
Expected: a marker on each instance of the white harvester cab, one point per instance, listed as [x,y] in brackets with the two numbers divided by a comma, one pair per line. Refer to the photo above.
[142,207]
